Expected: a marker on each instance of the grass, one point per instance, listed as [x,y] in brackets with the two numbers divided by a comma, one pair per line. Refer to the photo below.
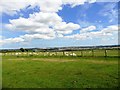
[59,72]
[0,73]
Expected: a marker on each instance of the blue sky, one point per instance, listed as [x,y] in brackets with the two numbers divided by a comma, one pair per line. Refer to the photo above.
[65,24]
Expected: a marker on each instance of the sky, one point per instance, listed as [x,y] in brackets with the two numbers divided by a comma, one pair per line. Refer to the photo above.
[58,23]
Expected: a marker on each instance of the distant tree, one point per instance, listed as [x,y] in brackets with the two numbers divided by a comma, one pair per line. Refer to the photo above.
[22,49]
[26,50]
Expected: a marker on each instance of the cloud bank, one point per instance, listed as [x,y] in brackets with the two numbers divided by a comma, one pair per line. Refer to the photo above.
[47,24]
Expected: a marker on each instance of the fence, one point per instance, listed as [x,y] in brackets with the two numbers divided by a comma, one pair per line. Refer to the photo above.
[82,53]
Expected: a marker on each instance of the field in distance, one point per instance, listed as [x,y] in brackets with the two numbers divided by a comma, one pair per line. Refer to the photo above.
[59,72]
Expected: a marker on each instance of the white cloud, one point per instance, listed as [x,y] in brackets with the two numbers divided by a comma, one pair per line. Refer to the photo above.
[88,29]
[46,18]
[77,36]
[66,28]
[36,23]
[42,23]
[11,40]
[110,29]
[104,33]
[74,3]
[26,38]
[50,5]
[107,0]
[11,7]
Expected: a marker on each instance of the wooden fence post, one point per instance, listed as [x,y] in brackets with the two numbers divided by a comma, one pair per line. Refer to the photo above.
[44,53]
[92,53]
[3,54]
[63,53]
[72,53]
[105,53]
[56,53]
[48,53]
[81,53]
[28,53]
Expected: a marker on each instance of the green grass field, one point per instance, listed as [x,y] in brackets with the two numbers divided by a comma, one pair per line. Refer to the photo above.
[59,72]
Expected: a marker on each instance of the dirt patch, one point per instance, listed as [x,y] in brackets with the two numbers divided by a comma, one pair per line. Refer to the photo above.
[17,59]
[101,62]
[46,60]
[61,60]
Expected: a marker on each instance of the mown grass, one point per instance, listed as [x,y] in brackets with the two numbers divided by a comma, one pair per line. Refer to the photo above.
[59,72]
